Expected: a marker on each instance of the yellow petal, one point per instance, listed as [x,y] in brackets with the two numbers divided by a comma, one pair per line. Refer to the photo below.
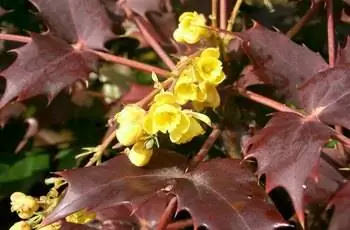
[128,134]
[139,155]
[181,128]
[211,52]
[199,116]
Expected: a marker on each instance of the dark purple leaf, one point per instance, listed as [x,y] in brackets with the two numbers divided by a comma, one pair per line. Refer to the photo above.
[45,66]
[224,188]
[341,202]
[285,63]
[77,21]
[344,53]
[287,149]
[9,111]
[327,96]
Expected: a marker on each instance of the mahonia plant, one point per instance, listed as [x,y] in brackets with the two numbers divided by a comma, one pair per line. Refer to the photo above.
[302,148]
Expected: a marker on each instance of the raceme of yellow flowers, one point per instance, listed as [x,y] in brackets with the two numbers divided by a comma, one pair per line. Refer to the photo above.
[197,83]
[32,210]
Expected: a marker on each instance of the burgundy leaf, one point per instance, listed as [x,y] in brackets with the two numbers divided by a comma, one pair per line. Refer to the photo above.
[77,21]
[145,217]
[224,188]
[341,202]
[287,65]
[344,53]
[71,226]
[45,66]
[250,76]
[327,96]
[321,187]
[287,149]
[2,11]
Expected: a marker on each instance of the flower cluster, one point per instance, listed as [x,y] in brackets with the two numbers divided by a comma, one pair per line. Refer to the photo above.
[198,81]
[165,115]
[191,28]
[33,210]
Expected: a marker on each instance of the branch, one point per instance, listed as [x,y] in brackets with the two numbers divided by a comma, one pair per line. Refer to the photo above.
[167,215]
[105,56]
[203,152]
[149,37]
[330,33]
[214,13]
[296,28]
[223,17]
[234,14]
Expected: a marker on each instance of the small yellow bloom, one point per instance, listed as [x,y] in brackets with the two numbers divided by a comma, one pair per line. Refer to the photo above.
[191,28]
[24,205]
[195,129]
[212,97]
[81,217]
[186,92]
[21,225]
[139,155]
[209,67]
[130,121]
[129,114]
[128,134]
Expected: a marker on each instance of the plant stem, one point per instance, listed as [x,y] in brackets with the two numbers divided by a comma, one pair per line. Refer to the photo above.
[150,39]
[166,84]
[96,158]
[214,13]
[296,28]
[105,56]
[234,14]
[180,224]
[331,34]
[203,152]
[223,17]
[267,101]
[131,63]
[167,214]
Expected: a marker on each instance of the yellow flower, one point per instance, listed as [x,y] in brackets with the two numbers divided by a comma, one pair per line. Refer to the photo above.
[21,225]
[194,129]
[209,67]
[130,121]
[212,98]
[81,217]
[191,28]
[128,134]
[129,114]
[24,205]
[139,155]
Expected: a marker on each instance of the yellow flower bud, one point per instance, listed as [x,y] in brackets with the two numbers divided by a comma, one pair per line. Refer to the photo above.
[130,121]
[128,134]
[81,217]
[21,225]
[139,155]
[191,28]
[24,205]
[212,97]
[130,114]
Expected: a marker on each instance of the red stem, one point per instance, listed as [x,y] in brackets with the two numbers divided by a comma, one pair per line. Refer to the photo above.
[223,16]
[150,39]
[330,33]
[203,152]
[296,28]
[102,55]
[267,101]
[167,214]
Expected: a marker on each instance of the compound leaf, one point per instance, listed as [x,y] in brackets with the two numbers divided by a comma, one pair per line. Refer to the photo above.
[45,66]
[287,149]
[283,63]
[83,21]
[224,188]
[341,202]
